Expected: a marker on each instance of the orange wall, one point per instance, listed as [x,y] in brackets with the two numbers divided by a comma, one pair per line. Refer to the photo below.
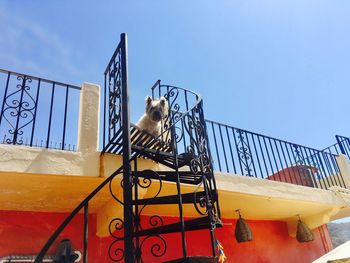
[26,232]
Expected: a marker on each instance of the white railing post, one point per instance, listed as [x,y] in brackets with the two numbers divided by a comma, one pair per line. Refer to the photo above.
[89,118]
[344,167]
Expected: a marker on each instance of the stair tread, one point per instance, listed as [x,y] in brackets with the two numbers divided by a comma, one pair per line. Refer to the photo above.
[188,198]
[147,146]
[189,225]
[138,137]
[171,176]
[163,157]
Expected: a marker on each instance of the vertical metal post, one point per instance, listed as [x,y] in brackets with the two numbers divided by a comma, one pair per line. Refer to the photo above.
[5,95]
[178,189]
[50,118]
[35,111]
[65,118]
[211,212]
[19,110]
[128,216]
[104,114]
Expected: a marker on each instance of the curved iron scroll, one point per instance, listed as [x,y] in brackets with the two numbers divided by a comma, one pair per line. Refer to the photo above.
[18,110]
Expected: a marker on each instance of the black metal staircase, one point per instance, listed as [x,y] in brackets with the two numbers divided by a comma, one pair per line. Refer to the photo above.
[182,149]
[182,144]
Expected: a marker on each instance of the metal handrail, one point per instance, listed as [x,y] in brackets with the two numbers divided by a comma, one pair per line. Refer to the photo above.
[39,78]
[70,217]
[259,134]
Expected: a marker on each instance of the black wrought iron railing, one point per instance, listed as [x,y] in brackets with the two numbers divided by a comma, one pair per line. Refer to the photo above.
[247,153]
[112,100]
[38,112]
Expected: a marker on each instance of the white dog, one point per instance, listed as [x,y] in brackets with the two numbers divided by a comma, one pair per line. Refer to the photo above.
[156,111]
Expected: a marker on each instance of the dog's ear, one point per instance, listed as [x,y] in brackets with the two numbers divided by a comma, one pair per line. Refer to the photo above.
[162,101]
[148,100]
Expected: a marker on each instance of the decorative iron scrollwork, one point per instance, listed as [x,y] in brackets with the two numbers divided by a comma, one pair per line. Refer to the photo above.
[114,94]
[115,251]
[158,246]
[19,110]
[297,154]
[198,147]
[244,153]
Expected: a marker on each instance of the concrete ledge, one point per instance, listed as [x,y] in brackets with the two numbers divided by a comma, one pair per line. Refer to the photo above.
[23,159]
[272,189]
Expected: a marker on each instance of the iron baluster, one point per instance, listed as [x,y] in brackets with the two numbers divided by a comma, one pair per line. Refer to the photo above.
[319,158]
[5,96]
[243,153]
[285,161]
[328,167]
[35,112]
[263,157]
[297,154]
[216,147]
[280,161]
[19,111]
[127,193]
[65,118]
[230,147]
[268,155]
[223,149]
[104,111]
[250,157]
[311,169]
[50,116]
[137,219]
[274,158]
[237,151]
[297,161]
[306,163]
[257,157]
[178,189]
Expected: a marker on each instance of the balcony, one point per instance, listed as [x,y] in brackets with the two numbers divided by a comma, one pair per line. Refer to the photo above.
[50,134]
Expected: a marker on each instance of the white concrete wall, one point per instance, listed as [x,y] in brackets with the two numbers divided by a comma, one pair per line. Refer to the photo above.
[344,167]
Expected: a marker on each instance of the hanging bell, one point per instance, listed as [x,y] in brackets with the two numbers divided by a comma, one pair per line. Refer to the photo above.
[242,230]
[304,234]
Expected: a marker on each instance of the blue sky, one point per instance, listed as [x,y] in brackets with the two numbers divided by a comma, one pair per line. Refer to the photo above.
[280,68]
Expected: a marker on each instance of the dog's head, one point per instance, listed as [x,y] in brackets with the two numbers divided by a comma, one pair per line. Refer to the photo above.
[156,110]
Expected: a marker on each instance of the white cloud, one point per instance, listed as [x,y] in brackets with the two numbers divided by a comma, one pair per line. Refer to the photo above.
[34,49]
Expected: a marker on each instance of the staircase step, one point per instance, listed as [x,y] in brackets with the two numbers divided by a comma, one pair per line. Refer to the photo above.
[147,146]
[139,138]
[189,225]
[194,259]
[166,158]
[186,177]
[188,198]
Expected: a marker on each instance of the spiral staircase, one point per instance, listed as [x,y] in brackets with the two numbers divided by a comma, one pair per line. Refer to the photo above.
[183,151]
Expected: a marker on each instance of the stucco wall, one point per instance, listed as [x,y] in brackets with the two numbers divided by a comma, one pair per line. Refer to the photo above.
[25,233]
